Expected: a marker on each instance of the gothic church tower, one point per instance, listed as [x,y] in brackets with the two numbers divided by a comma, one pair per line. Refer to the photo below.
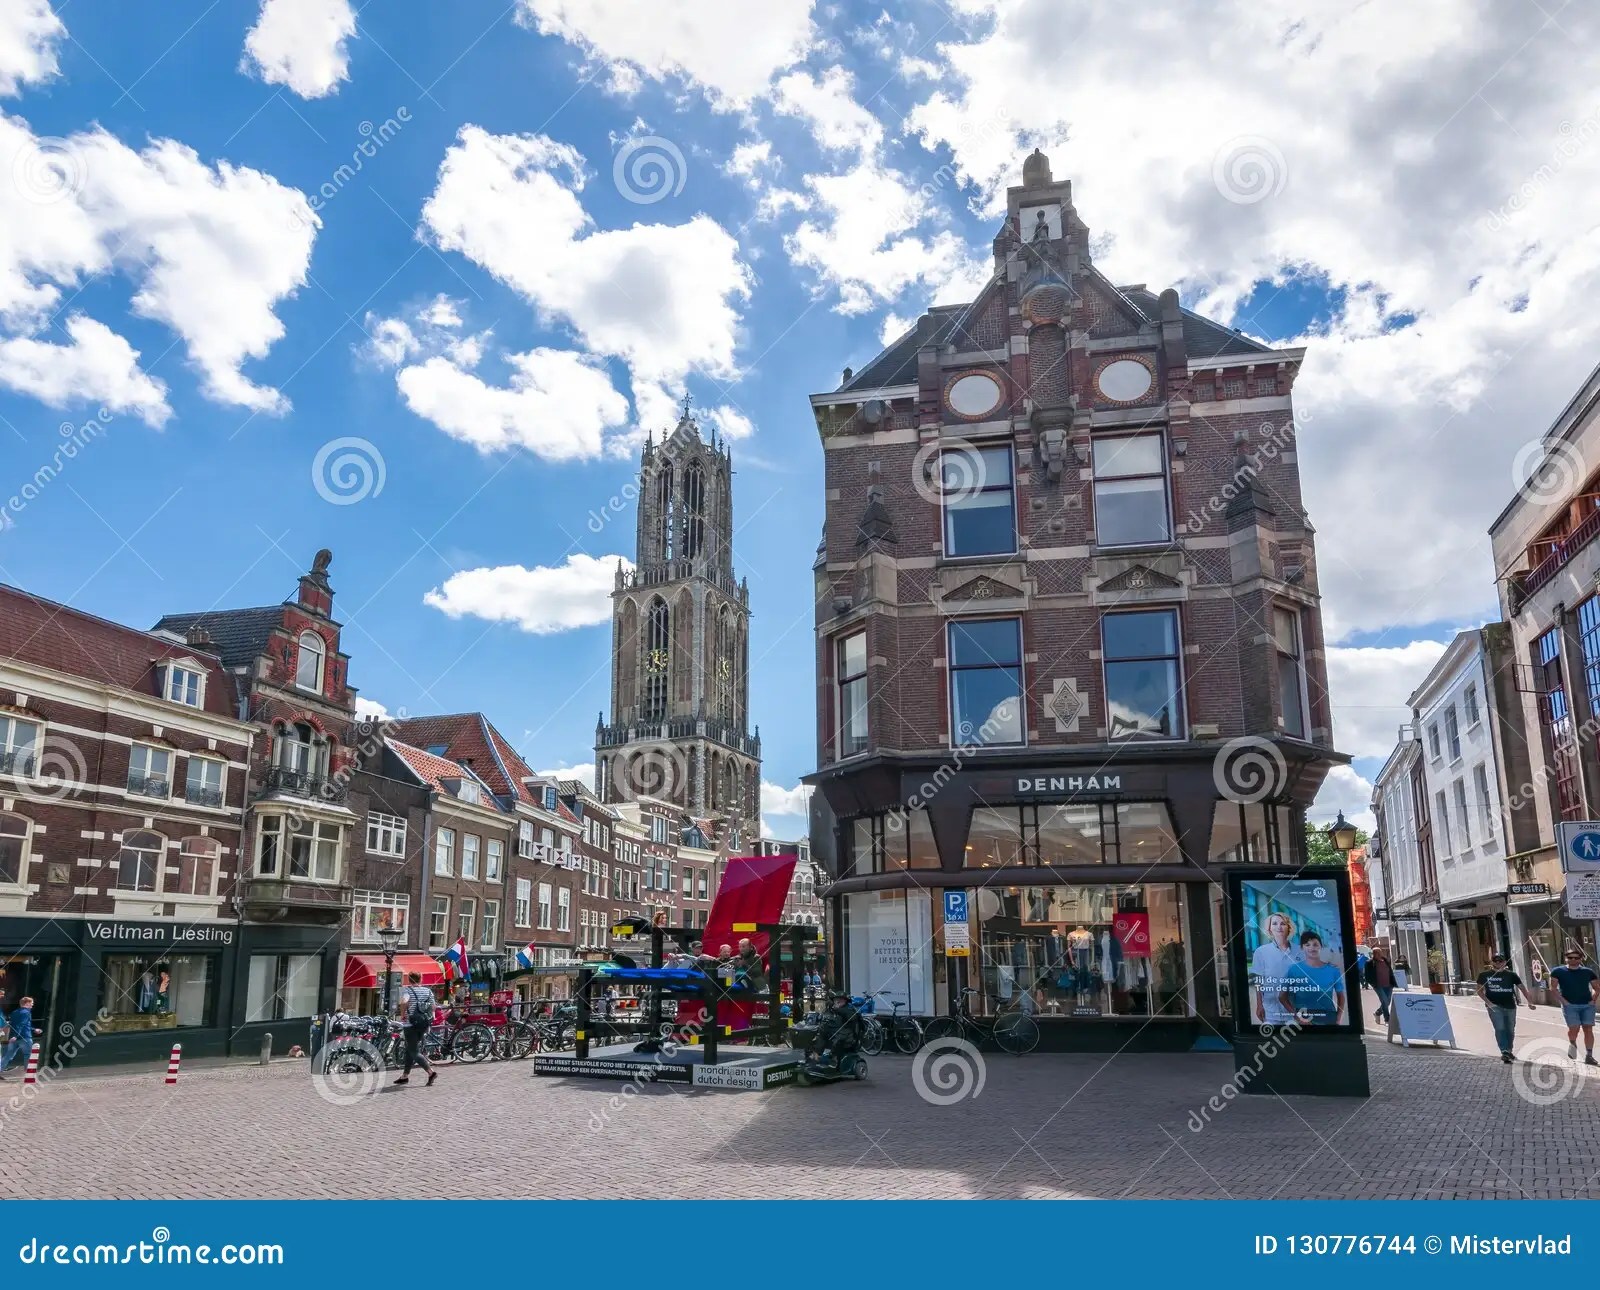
[680,647]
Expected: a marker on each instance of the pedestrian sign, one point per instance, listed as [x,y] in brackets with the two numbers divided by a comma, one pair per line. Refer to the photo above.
[957,935]
[1579,841]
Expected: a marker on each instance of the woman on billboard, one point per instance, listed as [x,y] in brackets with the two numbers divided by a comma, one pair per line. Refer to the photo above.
[1269,970]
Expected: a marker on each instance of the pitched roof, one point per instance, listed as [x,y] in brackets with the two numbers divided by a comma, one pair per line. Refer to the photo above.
[471,738]
[433,771]
[897,365]
[56,636]
[1202,337]
[238,636]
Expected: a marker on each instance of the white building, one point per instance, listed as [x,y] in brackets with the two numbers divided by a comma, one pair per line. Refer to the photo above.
[1453,716]
[1407,878]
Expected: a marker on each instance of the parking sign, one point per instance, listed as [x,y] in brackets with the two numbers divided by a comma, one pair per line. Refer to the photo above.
[957,936]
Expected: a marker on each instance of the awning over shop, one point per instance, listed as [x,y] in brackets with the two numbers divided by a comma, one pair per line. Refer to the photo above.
[365,971]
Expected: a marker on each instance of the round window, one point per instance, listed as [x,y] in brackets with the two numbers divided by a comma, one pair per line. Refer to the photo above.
[974,395]
[1124,380]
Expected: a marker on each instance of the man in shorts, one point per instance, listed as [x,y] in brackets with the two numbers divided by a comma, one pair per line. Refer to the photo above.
[1580,987]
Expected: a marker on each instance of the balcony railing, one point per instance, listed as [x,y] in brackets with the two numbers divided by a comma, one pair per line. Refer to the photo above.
[16,761]
[300,783]
[197,796]
[150,785]
[1560,553]
[723,732]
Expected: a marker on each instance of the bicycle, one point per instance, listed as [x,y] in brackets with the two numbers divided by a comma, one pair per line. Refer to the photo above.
[1014,1031]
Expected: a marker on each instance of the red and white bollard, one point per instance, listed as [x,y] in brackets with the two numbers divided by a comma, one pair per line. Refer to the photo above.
[31,1076]
[172,1063]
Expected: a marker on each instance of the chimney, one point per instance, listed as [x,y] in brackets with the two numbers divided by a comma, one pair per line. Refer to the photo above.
[198,636]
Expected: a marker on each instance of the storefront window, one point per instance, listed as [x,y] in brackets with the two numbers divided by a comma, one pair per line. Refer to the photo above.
[1080,951]
[282,985]
[1077,834]
[158,992]
[889,936]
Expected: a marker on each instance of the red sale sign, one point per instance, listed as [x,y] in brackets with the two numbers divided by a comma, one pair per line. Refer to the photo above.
[1133,930]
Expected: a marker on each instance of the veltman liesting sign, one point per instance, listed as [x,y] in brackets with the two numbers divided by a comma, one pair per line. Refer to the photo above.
[161,933]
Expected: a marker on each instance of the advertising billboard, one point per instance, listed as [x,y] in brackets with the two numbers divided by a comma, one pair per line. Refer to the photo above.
[1294,950]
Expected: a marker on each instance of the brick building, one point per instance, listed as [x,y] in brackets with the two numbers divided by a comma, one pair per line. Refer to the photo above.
[124,769]
[1070,654]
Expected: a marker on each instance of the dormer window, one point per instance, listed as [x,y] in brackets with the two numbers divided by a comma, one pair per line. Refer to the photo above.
[468,791]
[549,798]
[183,683]
[309,664]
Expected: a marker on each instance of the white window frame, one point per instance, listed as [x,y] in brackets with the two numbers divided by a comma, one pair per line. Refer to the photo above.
[466,919]
[150,751]
[1452,734]
[563,909]
[221,768]
[158,864]
[439,923]
[1180,687]
[489,928]
[311,645]
[173,689]
[362,931]
[382,826]
[494,859]
[26,857]
[971,480]
[471,854]
[545,907]
[11,745]
[525,839]
[523,910]
[1480,784]
[1460,790]
[1471,706]
[444,853]
[212,851]
[322,833]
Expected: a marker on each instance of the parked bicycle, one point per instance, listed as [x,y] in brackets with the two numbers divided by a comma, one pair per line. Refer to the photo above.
[905,1033]
[1013,1030]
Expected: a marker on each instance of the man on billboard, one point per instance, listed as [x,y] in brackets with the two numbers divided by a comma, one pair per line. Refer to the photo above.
[1313,989]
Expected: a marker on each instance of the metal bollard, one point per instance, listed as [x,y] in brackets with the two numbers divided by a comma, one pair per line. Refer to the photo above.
[266,1048]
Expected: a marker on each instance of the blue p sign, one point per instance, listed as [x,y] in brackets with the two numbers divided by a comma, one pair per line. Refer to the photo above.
[955,907]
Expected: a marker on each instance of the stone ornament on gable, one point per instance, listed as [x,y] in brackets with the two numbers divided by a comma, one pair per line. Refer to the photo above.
[1066,705]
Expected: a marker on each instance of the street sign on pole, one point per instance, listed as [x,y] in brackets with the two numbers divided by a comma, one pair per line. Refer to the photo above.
[1583,895]
[1579,842]
[957,934]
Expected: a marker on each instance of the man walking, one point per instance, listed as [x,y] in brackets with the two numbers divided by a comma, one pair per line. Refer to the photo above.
[1499,988]
[1380,976]
[1580,987]
[20,1027]
[418,1002]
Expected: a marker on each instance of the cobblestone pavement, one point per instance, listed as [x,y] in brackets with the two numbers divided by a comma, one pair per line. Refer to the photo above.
[1440,1124]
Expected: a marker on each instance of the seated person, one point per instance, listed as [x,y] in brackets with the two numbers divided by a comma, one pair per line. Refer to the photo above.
[751,970]
[838,1031]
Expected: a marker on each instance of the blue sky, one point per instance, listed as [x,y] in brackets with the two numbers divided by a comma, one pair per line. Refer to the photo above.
[493,301]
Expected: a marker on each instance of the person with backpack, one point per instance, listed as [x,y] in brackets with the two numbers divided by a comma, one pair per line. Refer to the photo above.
[419,1004]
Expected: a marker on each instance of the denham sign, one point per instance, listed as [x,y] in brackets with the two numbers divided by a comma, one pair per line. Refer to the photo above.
[1033,784]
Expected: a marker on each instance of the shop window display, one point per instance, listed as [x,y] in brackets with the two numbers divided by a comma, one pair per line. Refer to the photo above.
[1252,833]
[157,992]
[888,843]
[1060,836]
[1081,951]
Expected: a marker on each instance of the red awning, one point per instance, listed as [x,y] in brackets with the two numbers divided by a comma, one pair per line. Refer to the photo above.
[365,971]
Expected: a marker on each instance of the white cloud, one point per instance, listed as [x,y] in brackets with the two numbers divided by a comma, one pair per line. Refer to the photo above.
[1369,686]
[542,600]
[838,122]
[370,709]
[661,298]
[557,404]
[866,246]
[211,249]
[893,328]
[752,158]
[301,44]
[730,422]
[390,341]
[442,312]
[98,366]
[583,772]
[777,800]
[1344,790]
[724,46]
[29,33]
[1433,162]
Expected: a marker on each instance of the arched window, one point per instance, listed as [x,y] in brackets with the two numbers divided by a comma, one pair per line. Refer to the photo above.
[197,866]
[140,860]
[657,658]
[694,507]
[13,849]
[664,510]
[309,665]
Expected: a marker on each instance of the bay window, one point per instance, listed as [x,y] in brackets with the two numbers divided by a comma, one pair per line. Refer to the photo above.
[298,849]
[851,703]
[1291,670]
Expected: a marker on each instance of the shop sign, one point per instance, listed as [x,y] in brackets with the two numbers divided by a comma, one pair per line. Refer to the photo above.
[1381,914]
[1528,889]
[1409,923]
[1056,784]
[1420,1016]
[1133,930]
[1583,895]
[164,935]
[1579,843]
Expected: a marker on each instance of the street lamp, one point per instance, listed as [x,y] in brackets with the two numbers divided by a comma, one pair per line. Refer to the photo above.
[1342,834]
[389,938]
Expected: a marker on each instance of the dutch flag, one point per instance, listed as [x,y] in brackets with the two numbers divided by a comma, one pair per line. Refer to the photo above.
[455,964]
[526,957]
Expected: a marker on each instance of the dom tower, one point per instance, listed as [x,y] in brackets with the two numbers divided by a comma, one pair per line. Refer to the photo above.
[680,647]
